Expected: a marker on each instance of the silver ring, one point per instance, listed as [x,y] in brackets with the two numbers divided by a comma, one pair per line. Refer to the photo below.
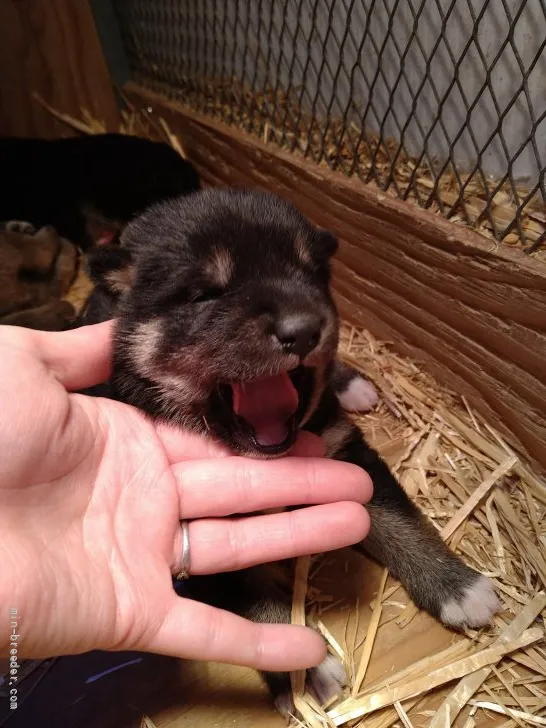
[184,572]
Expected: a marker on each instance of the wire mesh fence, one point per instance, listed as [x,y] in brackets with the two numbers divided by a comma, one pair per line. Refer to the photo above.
[438,101]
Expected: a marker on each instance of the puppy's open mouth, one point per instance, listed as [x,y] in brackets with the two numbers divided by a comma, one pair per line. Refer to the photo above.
[265,410]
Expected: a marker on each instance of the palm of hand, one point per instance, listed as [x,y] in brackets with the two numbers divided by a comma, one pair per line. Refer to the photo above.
[114,509]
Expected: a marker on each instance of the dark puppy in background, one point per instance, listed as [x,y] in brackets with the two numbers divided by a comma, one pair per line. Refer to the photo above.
[88,187]
[226,326]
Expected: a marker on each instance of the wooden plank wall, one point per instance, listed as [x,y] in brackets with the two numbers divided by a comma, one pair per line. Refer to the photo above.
[51,47]
[474,318]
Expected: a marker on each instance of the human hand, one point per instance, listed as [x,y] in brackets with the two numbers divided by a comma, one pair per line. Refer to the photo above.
[91,495]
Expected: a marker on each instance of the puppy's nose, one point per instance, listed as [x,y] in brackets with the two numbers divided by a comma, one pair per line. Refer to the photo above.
[298,333]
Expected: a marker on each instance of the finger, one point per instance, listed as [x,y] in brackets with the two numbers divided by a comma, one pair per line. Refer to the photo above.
[199,632]
[79,358]
[211,488]
[230,544]
[181,446]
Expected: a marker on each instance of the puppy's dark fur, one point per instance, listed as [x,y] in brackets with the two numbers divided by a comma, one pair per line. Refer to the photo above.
[202,289]
[88,187]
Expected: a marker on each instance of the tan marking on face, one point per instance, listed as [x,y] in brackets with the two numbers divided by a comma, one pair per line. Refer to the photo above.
[180,389]
[317,392]
[319,360]
[302,251]
[176,389]
[329,337]
[144,344]
[219,267]
[120,280]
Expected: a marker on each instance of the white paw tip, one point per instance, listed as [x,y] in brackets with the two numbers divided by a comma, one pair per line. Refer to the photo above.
[323,682]
[285,704]
[476,608]
[359,396]
[327,679]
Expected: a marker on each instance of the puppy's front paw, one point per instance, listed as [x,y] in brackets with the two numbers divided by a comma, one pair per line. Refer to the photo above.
[326,680]
[19,226]
[475,607]
[359,396]
[323,683]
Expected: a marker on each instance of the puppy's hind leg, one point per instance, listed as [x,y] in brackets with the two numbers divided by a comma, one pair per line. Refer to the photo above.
[355,393]
[253,594]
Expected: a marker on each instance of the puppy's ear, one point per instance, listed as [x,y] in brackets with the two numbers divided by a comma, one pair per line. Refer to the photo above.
[111,267]
[325,243]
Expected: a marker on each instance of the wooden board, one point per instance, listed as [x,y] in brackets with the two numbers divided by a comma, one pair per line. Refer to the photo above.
[473,316]
[51,47]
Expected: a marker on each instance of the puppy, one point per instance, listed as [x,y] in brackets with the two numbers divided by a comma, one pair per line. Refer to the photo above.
[37,267]
[225,325]
[88,187]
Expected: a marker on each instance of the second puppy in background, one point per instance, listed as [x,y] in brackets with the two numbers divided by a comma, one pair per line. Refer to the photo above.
[88,187]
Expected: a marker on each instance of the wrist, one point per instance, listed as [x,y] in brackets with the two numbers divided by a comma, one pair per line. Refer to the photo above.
[11,601]
[9,622]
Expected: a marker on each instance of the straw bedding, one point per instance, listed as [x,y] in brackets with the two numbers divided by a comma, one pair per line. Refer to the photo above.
[490,508]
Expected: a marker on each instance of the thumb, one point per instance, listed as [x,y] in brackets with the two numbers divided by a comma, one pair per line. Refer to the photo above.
[79,358]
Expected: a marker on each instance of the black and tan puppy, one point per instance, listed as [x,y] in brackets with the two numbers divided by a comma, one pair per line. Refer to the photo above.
[225,325]
[88,187]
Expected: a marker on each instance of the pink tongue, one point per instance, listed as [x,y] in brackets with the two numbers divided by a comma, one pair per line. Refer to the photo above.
[266,405]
